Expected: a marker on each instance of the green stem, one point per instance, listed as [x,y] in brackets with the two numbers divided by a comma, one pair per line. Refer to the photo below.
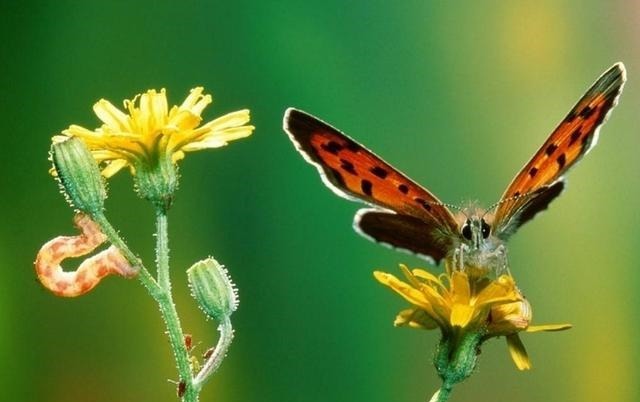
[443,394]
[455,359]
[168,310]
[218,355]
[161,293]
[162,251]
[112,234]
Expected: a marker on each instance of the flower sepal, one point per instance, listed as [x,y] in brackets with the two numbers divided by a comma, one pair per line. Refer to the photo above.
[79,176]
[157,181]
[456,356]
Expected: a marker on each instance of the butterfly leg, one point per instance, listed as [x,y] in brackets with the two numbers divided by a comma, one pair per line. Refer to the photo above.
[502,260]
[458,257]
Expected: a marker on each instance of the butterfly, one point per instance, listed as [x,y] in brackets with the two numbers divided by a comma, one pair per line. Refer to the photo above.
[407,216]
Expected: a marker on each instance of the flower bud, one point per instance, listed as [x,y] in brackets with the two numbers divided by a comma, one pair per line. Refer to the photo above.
[212,288]
[79,176]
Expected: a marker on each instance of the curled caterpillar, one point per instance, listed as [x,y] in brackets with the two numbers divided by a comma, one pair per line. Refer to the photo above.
[90,271]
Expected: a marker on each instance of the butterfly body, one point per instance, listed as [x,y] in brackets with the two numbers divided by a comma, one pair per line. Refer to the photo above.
[407,216]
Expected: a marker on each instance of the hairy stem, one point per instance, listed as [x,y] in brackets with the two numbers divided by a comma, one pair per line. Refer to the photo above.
[112,234]
[218,355]
[168,309]
[162,251]
[161,293]
[443,394]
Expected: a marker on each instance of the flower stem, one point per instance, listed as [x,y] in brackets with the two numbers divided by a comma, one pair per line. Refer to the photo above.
[162,251]
[455,360]
[161,293]
[442,395]
[168,309]
[112,234]
[219,353]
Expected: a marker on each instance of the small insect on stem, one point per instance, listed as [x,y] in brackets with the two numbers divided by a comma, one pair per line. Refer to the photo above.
[207,354]
[181,389]
[188,342]
[90,271]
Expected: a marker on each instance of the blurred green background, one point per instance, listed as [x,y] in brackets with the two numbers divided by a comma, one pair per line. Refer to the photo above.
[458,96]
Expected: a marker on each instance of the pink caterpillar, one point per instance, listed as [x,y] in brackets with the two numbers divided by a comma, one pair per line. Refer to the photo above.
[90,271]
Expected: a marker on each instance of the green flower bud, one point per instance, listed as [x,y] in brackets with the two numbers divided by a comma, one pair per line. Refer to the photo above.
[79,176]
[212,288]
[156,180]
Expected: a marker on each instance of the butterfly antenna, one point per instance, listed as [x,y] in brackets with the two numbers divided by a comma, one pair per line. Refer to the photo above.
[512,198]
[451,206]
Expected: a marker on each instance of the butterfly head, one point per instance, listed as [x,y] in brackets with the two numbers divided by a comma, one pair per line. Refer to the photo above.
[475,230]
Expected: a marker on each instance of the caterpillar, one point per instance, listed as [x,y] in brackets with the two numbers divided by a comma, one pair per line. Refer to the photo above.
[91,270]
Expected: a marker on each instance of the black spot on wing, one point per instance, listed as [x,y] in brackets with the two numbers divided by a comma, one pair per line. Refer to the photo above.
[378,171]
[332,147]
[403,188]
[348,167]
[366,187]
[575,136]
[533,171]
[423,203]
[551,149]
[587,112]
[562,160]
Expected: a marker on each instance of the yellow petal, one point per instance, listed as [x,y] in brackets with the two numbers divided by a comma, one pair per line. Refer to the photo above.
[194,95]
[461,315]
[548,327]
[177,156]
[79,131]
[219,138]
[409,275]
[201,104]
[500,291]
[113,167]
[429,277]
[232,119]
[186,120]
[111,115]
[414,318]
[159,108]
[460,290]
[518,352]
[412,295]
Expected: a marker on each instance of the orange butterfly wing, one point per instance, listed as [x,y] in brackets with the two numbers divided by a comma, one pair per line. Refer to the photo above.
[571,140]
[352,171]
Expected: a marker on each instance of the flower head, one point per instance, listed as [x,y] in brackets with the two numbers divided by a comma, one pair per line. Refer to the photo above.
[151,138]
[459,304]
[150,130]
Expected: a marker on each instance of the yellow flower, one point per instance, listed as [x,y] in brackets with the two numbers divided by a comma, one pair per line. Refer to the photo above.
[150,131]
[459,304]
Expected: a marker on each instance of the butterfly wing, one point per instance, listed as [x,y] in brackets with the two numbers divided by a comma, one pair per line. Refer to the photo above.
[537,184]
[353,172]
[403,232]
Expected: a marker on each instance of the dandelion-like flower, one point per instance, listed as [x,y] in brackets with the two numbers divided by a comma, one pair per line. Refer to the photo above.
[468,310]
[151,138]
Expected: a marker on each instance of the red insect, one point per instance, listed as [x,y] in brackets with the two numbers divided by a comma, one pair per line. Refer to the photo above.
[409,217]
